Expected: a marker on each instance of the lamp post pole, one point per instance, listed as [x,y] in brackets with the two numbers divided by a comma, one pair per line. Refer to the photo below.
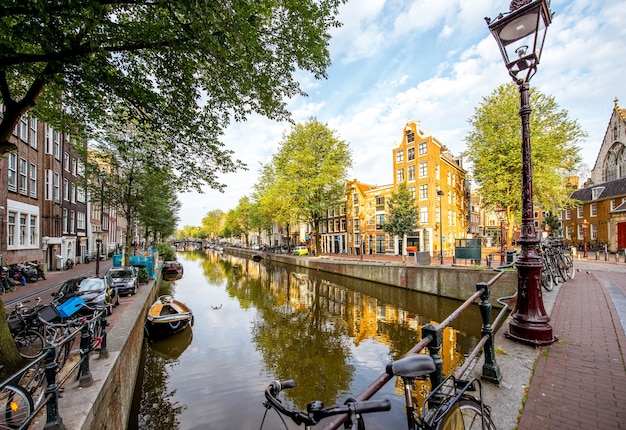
[520,35]
[585,228]
[439,194]
[98,245]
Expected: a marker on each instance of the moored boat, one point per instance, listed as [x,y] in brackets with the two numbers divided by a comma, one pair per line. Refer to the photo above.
[172,270]
[167,316]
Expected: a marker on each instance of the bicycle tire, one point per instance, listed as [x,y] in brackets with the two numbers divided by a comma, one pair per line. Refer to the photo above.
[18,406]
[30,343]
[468,414]
[569,264]
[547,281]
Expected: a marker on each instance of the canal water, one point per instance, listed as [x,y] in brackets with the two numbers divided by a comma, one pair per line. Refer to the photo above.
[255,322]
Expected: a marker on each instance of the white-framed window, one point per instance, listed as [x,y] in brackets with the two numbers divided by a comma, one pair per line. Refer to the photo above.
[49,139]
[581,212]
[65,220]
[33,236]
[24,128]
[593,228]
[33,180]
[12,162]
[80,194]
[81,220]
[66,161]
[410,154]
[33,132]
[399,156]
[400,175]
[57,187]
[23,176]
[411,172]
[66,189]
[593,209]
[423,215]
[423,169]
[56,145]
[23,229]
[11,229]
[421,149]
[424,192]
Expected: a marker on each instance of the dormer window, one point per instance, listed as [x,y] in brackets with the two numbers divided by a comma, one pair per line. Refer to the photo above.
[596,192]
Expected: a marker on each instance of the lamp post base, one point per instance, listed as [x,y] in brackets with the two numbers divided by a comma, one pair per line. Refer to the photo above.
[531,334]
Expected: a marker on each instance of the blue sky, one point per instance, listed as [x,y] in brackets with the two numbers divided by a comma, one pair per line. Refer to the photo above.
[432,61]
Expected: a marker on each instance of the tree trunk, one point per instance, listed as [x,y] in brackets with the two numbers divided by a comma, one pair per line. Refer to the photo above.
[9,355]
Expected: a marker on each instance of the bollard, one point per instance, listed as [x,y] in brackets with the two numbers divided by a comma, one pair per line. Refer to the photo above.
[436,336]
[491,370]
[104,352]
[85,348]
[53,419]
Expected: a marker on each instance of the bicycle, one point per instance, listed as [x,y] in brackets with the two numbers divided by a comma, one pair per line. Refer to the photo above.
[316,410]
[448,406]
[24,326]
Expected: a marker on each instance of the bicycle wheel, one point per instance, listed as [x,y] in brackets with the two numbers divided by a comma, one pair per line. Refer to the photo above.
[569,264]
[30,343]
[466,414]
[18,406]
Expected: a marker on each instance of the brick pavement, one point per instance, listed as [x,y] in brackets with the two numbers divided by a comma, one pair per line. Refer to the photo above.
[580,381]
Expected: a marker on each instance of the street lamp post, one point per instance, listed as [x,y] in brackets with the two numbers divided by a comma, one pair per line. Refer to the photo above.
[585,228]
[520,34]
[501,219]
[440,194]
[98,245]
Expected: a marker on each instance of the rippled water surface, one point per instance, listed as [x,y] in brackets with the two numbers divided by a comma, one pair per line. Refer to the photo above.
[254,323]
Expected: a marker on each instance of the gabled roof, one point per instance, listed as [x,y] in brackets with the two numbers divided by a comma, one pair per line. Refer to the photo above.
[611,189]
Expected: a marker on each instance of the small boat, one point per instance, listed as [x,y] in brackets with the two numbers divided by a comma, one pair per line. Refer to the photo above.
[167,316]
[172,270]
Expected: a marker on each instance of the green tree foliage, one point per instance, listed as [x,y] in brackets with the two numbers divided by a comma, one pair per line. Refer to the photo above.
[212,223]
[306,177]
[185,68]
[494,147]
[403,217]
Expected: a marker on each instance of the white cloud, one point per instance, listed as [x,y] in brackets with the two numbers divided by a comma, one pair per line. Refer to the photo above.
[433,62]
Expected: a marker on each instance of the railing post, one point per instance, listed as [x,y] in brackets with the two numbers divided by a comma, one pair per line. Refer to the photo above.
[491,370]
[104,352]
[436,337]
[53,420]
[85,348]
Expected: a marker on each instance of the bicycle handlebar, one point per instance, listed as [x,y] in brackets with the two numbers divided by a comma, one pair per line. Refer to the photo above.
[316,410]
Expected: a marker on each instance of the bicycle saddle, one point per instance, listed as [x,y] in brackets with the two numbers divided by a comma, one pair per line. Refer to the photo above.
[411,366]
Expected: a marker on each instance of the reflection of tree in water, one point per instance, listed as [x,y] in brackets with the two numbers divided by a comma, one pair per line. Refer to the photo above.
[157,409]
[289,338]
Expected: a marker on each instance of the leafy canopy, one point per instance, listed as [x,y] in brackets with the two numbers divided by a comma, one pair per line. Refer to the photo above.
[184,68]
[494,147]
[306,177]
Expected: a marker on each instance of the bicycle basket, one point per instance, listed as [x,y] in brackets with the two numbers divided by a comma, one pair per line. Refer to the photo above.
[49,313]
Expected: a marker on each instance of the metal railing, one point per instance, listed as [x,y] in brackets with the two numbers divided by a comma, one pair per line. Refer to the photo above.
[432,336]
[52,380]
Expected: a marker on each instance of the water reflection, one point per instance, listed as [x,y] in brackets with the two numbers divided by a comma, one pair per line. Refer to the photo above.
[256,322]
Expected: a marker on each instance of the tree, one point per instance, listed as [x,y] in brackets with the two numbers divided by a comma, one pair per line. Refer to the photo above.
[494,147]
[403,217]
[185,68]
[306,177]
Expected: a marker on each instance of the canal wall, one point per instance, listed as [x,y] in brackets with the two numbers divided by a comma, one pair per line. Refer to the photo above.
[454,282]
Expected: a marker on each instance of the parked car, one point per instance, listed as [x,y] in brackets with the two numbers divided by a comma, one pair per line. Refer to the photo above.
[300,250]
[96,292]
[125,279]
